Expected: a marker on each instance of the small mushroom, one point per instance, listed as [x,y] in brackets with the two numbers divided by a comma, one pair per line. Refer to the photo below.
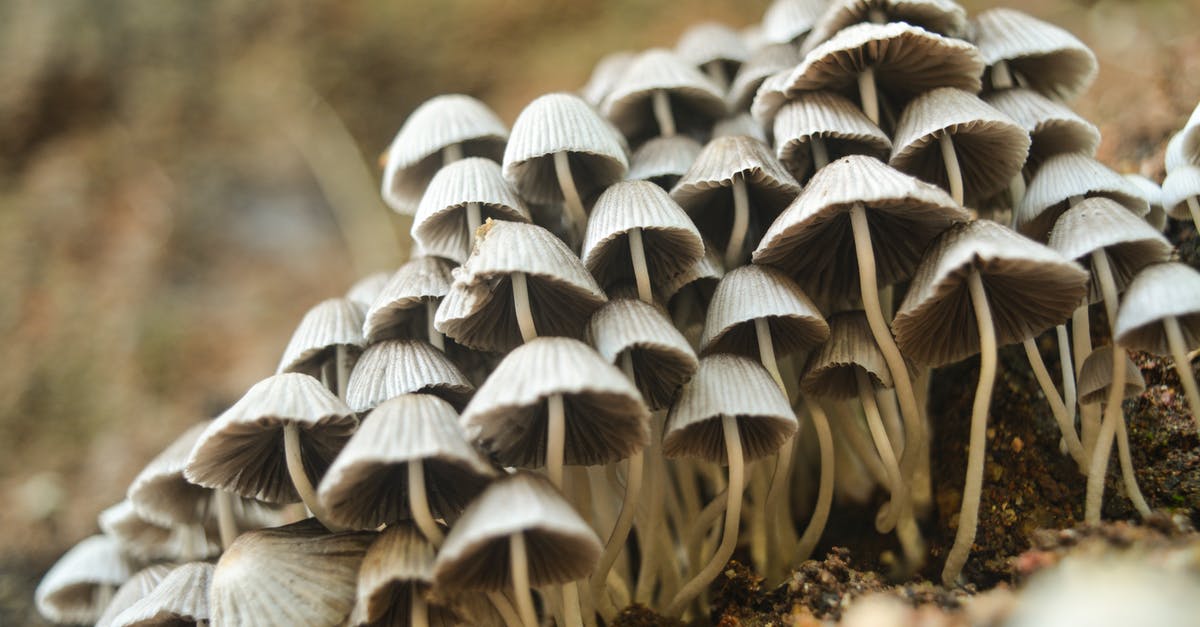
[762,64]
[406,306]
[459,198]
[714,48]
[325,343]
[1021,50]
[181,598]
[661,95]
[394,582]
[1181,193]
[1096,382]
[82,582]
[937,16]
[815,128]
[788,21]
[139,585]
[663,160]
[1064,180]
[391,368]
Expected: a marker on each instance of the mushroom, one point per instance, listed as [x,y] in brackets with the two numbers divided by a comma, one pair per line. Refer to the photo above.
[139,585]
[329,337]
[1021,50]
[662,95]
[1153,194]
[817,127]
[180,598]
[394,582]
[770,59]
[406,306]
[663,160]
[459,198]
[364,290]
[82,582]
[1096,383]
[1063,180]
[688,294]
[714,48]
[788,21]
[147,541]
[605,74]
[1181,193]
[391,368]
[739,124]
[937,16]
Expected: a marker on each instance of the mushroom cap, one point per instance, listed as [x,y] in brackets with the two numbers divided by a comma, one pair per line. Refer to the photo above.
[397,311]
[556,123]
[160,494]
[367,485]
[670,241]
[740,124]
[364,290]
[606,419]
[663,160]
[147,541]
[180,598]
[787,21]
[1029,287]
[839,123]
[559,545]
[242,450]
[391,368]
[330,323]
[398,560]
[1180,185]
[662,358]
[705,42]
[1175,155]
[1052,61]
[944,17]
[757,292]
[695,100]
[768,60]
[139,585]
[728,385]
[813,242]
[298,574]
[1102,224]
[1159,291]
[1053,128]
[440,224]
[707,270]
[414,155]
[605,74]
[478,311]
[1062,177]
[990,146]
[1152,192]
[1096,375]
[831,370]
[1189,138]
[67,592]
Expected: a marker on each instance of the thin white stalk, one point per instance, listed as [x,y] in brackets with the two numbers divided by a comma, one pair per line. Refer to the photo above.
[655,485]
[576,214]
[418,609]
[226,523]
[570,599]
[474,220]
[435,337]
[295,466]
[1193,204]
[715,70]
[850,432]
[505,608]
[783,461]
[1068,371]
[661,103]
[816,525]
[520,290]
[1081,344]
[452,153]
[953,169]
[1016,192]
[1112,413]
[342,363]
[418,502]
[883,447]
[519,567]
[556,438]
[1001,77]
[1131,486]
[1065,425]
[641,271]
[741,223]
[922,481]
[1183,366]
[620,532]
[868,95]
[820,152]
[889,409]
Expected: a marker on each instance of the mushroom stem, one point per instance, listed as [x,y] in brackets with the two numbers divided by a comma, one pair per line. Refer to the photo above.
[418,610]
[868,95]
[556,437]
[1108,286]
[654,515]
[1112,413]
[1183,365]
[783,462]
[1127,475]
[953,169]
[1016,191]
[570,600]
[741,223]
[1081,343]
[733,510]
[876,15]
[226,523]
[295,466]
[342,363]
[1065,424]
[474,220]
[816,525]
[520,290]
[418,502]
[576,215]
[505,608]
[519,568]
[435,338]
[452,153]
[661,103]
[641,271]
[820,152]
[715,70]
[968,517]
[1193,204]
[1001,77]
[851,433]
[1068,371]
[883,446]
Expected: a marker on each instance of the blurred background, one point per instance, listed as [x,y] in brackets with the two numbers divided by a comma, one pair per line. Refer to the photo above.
[169,173]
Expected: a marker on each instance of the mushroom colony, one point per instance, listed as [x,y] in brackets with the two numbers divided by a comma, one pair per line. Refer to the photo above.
[662,319]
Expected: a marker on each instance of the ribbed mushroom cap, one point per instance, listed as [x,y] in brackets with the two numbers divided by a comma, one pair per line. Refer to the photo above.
[415,153]
[1030,288]
[398,311]
[1161,290]
[752,292]
[707,272]
[139,585]
[1180,185]
[399,560]
[990,146]
[478,312]
[787,21]
[606,419]
[839,123]
[944,17]
[1100,223]
[1062,177]
[560,545]
[1152,192]
[329,324]
[242,450]
[739,124]
[364,291]
[1096,375]
[367,485]
[299,574]
[181,598]
[441,221]
[767,61]
[1053,128]
[146,541]
[831,372]
[812,241]
[695,100]
[662,160]
[670,240]
[68,593]
[662,358]
[607,71]
[705,191]
[160,493]
[1046,58]
[706,42]
[391,368]
[728,385]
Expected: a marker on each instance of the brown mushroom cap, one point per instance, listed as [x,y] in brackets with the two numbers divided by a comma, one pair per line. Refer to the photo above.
[391,368]
[1063,177]
[440,225]
[1180,185]
[695,100]
[399,560]
[329,324]
[160,494]
[146,541]
[944,17]
[839,123]
[763,63]
[662,358]
[707,271]
[1053,128]
[831,370]
[1161,290]
[1096,375]
[1047,59]
[181,598]
[139,585]
[67,593]
[1152,192]
[663,160]
[757,292]
[397,310]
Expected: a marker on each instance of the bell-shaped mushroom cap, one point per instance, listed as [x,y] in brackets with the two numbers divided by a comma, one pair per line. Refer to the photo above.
[391,368]
[752,292]
[990,146]
[181,598]
[1096,375]
[662,358]
[441,221]
[1063,177]
[606,419]
[1100,223]
[704,192]
[560,546]
[839,123]
[670,241]
[767,61]
[1030,288]
[329,324]
[367,485]
[1047,59]
[242,450]
[813,242]
[831,372]
[147,541]
[695,100]
[706,42]
[944,17]
[478,312]
[160,494]
[299,574]
[415,153]
[662,160]
[739,124]
[605,74]
[139,585]
[1053,128]
[1180,185]
[556,123]
[708,271]
[69,592]
[728,385]
[399,560]
[1152,192]
[364,291]
[1161,290]
[397,311]
[787,21]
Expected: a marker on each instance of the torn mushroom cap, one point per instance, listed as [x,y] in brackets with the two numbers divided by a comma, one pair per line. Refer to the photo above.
[71,591]
[606,419]
[663,160]
[696,102]
[398,564]
[1040,55]
[1067,176]
[708,42]
[1180,185]
[943,17]
[329,324]
[1029,287]
[398,312]
[441,222]
[181,598]
[1152,192]
[440,122]
[299,574]
[831,370]
[242,451]
[560,545]
[367,485]
[144,540]
[839,124]
[787,21]
[605,74]
[1161,290]
[139,585]
[390,368]
[990,147]
[1053,128]
[478,311]
[812,241]
[661,357]
[1096,375]
[756,292]
[160,493]
[767,61]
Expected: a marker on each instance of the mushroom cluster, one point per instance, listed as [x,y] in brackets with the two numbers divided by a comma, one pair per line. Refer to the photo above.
[703,258]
